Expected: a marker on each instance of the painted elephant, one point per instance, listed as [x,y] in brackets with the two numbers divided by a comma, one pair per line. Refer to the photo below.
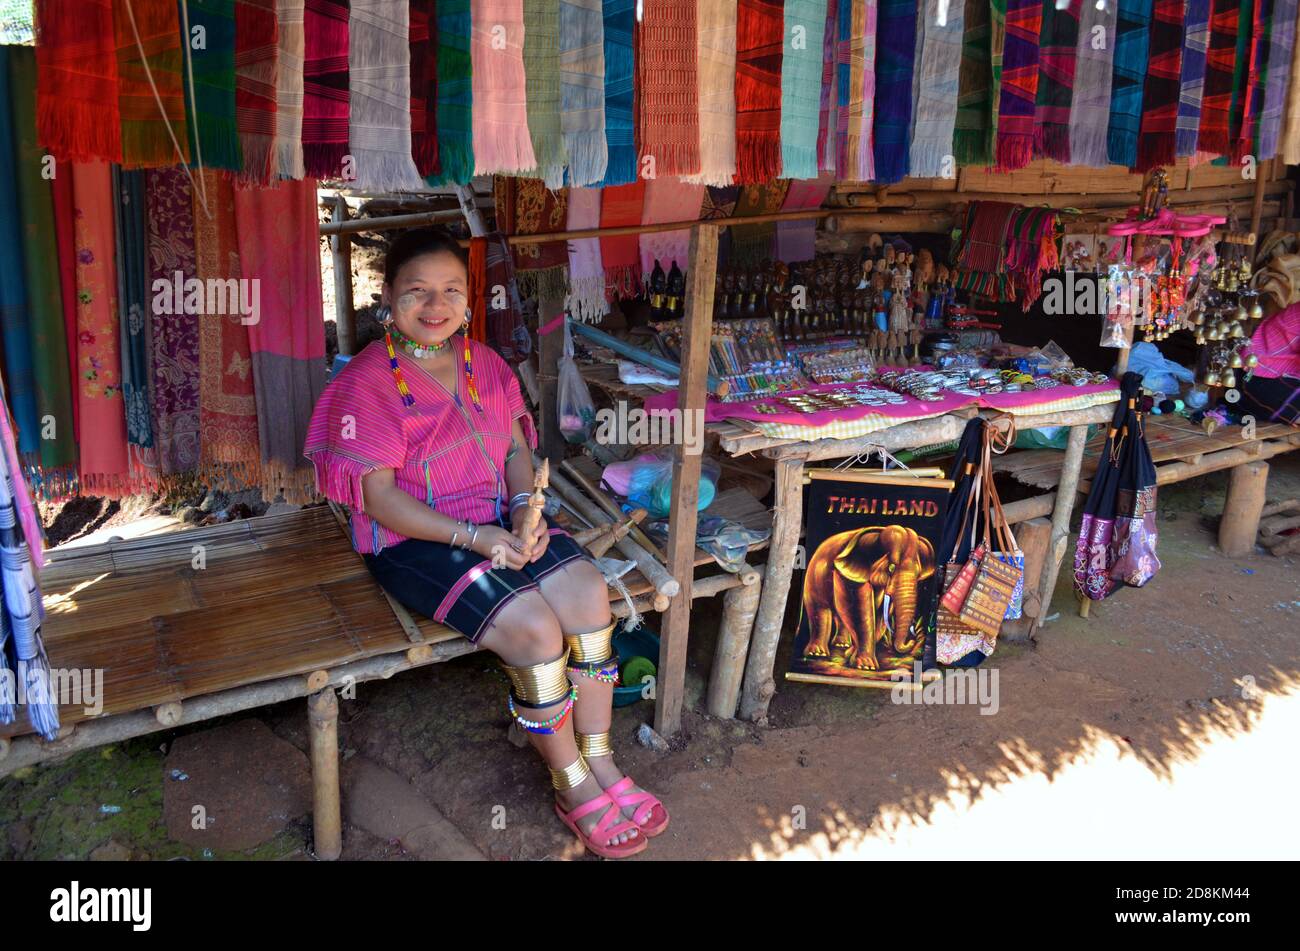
[845,588]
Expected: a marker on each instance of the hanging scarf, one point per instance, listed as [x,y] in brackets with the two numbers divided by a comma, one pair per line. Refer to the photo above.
[586,298]
[17,23]
[1253,107]
[46,334]
[287,159]
[104,465]
[527,206]
[1015,142]
[505,314]
[423,41]
[862,44]
[970,137]
[500,116]
[325,104]
[542,69]
[619,21]
[1282,45]
[865,155]
[176,322]
[1243,79]
[582,90]
[379,82]
[1160,96]
[1192,81]
[895,51]
[826,116]
[667,88]
[997,47]
[936,85]
[1131,35]
[229,453]
[210,99]
[28,522]
[455,95]
[754,244]
[1057,60]
[844,86]
[801,69]
[716,52]
[1289,149]
[620,256]
[146,139]
[760,26]
[796,240]
[668,199]
[65,215]
[1219,62]
[76,89]
[135,325]
[278,241]
[1090,106]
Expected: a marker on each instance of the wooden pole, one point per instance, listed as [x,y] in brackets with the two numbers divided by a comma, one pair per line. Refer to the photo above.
[345,317]
[937,222]
[612,510]
[337,227]
[323,714]
[739,605]
[759,685]
[1262,177]
[548,412]
[697,330]
[1247,491]
[1060,540]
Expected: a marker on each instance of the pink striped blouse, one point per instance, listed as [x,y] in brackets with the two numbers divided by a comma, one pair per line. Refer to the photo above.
[443,451]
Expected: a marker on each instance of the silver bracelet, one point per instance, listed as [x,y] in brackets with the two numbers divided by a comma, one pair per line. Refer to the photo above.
[518,499]
[452,543]
[473,533]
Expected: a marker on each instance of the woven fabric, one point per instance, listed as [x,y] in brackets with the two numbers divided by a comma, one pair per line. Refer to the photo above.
[210,98]
[997,45]
[286,159]
[379,86]
[895,52]
[668,199]
[1131,42]
[1015,141]
[18,23]
[760,25]
[1251,91]
[542,76]
[76,89]
[1156,139]
[864,155]
[620,71]
[422,40]
[455,95]
[796,240]
[582,90]
[667,88]
[1281,48]
[501,140]
[133,297]
[1191,87]
[586,298]
[620,256]
[154,130]
[716,51]
[970,138]
[1090,105]
[937,86]
[256,79]
[826,115]
[801,69]
[326,98]
[1057,61]
[753,244]
[1289,147]
[1219,62]
[527,206]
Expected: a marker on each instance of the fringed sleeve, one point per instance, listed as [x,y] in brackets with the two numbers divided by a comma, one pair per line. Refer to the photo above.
[355,429]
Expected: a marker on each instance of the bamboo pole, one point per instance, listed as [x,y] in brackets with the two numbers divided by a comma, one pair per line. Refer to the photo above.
[938,222]
[923,432]
[345,317]
[739,607]
[1061,512]
[327,822]
[612,510]
[340,227]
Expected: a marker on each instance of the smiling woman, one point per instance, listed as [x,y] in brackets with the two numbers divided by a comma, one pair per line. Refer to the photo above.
[425,436]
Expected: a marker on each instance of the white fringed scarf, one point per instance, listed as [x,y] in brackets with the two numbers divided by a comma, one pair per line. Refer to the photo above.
[286,159]
[586,298]
[379,83]
[582,91]
[716,48]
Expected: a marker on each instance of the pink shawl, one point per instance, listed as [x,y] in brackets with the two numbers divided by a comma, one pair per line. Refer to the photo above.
[586,297]
[501,140]
[668,199]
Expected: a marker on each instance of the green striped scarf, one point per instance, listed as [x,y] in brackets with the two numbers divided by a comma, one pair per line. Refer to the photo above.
[542,67]
[210,102]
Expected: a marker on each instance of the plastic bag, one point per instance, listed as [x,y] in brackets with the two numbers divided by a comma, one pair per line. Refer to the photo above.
[647,481]
[576,409]
[727,541]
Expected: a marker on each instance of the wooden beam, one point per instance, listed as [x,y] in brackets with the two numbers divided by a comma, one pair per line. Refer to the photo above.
[739,606]
[1247,492]
[697,330]
[1060,540]
[548,375]
[327,823]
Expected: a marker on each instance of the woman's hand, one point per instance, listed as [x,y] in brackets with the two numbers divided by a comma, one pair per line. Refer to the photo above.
[504,549]
[535,545]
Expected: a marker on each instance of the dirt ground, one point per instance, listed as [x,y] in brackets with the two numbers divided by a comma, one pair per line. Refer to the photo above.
[1119,736]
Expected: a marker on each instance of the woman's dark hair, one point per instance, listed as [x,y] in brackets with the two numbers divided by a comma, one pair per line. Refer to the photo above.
[418,241]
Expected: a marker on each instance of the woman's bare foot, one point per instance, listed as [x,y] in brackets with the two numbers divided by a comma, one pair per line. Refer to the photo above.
[586,791]
[607,774]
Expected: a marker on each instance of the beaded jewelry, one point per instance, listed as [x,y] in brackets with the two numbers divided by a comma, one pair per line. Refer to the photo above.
[606,671]
[547,727]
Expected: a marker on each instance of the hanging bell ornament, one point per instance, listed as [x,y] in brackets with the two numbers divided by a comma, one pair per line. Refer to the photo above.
[1256,311]
[1212,378]
[1200,338]
[1229,379]
[1241,314]
[1237,331]
[1252,361]
[1236,362]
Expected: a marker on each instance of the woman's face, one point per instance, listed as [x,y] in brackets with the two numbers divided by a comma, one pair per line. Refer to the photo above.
[429,297]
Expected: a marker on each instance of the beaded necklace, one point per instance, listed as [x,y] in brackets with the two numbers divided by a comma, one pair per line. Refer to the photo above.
[420,350]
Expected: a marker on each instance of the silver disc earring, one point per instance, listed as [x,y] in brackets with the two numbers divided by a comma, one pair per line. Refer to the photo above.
[384,315]
[469,315]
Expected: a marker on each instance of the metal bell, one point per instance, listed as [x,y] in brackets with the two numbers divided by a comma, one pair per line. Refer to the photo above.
[1229,379]
[1257,312]
[1212,378]
[1252,361]
[1241,314]
[1236,361]
[1237,331]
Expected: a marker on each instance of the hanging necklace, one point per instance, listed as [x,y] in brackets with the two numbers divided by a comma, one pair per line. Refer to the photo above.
[415,348]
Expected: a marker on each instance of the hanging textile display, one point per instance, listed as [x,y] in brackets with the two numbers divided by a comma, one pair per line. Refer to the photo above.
[17,23]
[76,90]
[326,98]
[1131,36]
[864,154]
[542,72]
[1057,60]
[527,206]
[1289,148]
[895,51]
[620,255]
[582,90]
[586,298]
[46,333]
[716,51]
[753,244]
[760,25]
[229,454]
[176,316]
[796,240]
[154,130]
[800,91]
[1281,48]
[505,315]
[844,86]
[256,78]
[619,21]
[501,141]
[287,150]
[1156,145]
[1217,98]
[277,237]
[1191,88]
[455,95]
[970,137]
[667,89]
[1251,91]
[104,465]
[379,86]
[423,42]
[133,302]
[827,112]
[210,97]
[871,540]
[997,46]
[66,242]
[668,199]
[1015,138]
[935,88]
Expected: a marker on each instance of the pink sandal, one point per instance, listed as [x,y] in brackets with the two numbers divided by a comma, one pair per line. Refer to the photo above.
[650,822]
[607,826]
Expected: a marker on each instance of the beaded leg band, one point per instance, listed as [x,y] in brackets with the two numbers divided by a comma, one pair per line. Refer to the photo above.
[537,687]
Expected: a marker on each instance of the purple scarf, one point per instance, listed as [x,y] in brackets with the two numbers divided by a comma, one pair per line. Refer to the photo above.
[895,53]
[1192,84]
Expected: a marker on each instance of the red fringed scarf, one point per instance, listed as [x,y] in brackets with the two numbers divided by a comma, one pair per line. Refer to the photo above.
[760,26]
[256,77]
[76,85]
[150,136]
[424,87]
[1164,80]
[1245,142]
[1219,62]
[667,97]
[621,256]
[1015,140]
[325,87]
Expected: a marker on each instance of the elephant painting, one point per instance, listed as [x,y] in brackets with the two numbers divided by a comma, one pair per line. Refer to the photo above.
[861,585]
